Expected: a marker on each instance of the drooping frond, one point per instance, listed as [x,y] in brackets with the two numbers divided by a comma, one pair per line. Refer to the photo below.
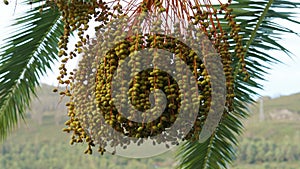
[261,32]
[25,56]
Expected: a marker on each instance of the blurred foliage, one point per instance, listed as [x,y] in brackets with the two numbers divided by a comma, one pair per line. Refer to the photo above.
[42,146]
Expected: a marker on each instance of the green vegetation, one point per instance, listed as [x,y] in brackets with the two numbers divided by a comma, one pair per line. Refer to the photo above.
[271,144]
[272,165]
[37,146]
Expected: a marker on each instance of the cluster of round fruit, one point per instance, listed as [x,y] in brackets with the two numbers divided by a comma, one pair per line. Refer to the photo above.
[95,108]
[94,104]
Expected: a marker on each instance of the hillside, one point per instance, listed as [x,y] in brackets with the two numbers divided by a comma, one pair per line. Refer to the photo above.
[291,102]
[281,108]
[270,141]
[281,118]
[266,144]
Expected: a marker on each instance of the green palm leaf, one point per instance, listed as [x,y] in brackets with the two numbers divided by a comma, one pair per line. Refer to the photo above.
[24,58]
[261,33]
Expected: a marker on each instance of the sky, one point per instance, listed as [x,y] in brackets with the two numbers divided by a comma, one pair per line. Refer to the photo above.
[282,79]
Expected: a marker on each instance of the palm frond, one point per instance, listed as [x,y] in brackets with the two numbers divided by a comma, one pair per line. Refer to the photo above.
[261,33]
[25,56]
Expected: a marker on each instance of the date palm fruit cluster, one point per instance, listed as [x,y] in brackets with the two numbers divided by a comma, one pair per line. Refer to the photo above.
[92,105]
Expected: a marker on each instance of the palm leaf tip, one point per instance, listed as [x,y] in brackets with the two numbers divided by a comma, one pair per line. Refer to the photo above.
[25,56]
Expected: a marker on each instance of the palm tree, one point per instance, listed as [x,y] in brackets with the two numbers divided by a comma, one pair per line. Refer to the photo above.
[34,46]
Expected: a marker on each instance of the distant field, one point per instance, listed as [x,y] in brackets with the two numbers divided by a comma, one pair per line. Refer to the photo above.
[274,165]
[47,146]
